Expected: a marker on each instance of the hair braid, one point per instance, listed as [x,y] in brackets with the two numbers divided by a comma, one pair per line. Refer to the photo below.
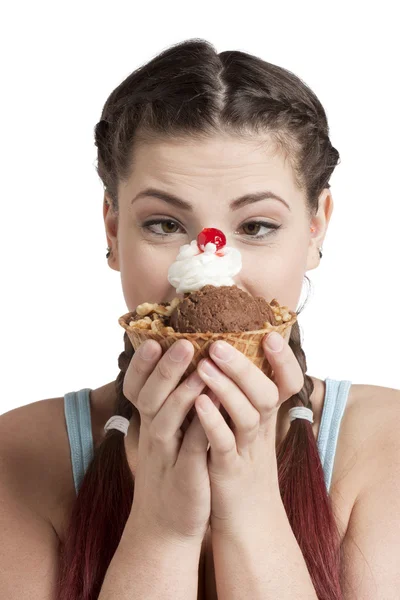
[94,533]
[303,490]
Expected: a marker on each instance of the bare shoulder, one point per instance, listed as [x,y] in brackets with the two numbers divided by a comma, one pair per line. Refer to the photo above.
[35,451]
[368,431]
[33,448]
[371,543]
[369,394]
[373,413]
[380,407]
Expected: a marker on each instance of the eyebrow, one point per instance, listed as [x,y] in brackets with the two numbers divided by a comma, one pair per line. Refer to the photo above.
[234,205]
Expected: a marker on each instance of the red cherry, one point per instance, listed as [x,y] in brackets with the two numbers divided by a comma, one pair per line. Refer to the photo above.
[210,234]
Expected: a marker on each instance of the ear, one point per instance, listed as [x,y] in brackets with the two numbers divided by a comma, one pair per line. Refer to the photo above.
[320,223]
[111,226]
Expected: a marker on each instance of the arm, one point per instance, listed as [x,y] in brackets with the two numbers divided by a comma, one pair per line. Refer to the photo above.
[371,546]
[150,565]
[263,564]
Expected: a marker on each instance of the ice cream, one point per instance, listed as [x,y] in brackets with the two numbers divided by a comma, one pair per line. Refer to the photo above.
[210,307]
[220,310]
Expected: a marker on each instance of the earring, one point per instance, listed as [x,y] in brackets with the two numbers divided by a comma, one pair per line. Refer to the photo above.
[312,229]
[108,247]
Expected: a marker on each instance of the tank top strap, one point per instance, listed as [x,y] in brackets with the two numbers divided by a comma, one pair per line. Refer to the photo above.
[336,395]
[79,427]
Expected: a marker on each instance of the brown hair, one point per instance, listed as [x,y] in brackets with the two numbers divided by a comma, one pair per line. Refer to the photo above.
[191,91]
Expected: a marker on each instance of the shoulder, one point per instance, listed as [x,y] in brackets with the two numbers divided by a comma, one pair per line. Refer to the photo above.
[33,441]
[380,408]
[373,412]
[372,532]
[368,394]
[31,426]
[369,418]
[368,434]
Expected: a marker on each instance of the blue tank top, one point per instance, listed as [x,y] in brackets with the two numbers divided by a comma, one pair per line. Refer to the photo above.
[79,427]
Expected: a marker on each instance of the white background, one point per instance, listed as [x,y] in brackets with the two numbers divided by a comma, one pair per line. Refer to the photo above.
[60,302]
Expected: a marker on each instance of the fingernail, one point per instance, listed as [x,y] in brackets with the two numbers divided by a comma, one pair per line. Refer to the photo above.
[194,381]
[209,369]
[178,352]
[222,350]
[147,350]
[274,341]
[204,403]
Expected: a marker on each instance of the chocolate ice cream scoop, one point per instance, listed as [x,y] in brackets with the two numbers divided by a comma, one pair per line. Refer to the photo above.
[221,309]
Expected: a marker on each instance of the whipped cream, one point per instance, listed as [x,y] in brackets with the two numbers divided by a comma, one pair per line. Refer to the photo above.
[194,269]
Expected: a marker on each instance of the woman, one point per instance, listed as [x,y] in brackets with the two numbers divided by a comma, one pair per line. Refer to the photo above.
[279,507]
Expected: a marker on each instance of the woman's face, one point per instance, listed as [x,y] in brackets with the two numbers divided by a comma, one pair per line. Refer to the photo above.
[208,176]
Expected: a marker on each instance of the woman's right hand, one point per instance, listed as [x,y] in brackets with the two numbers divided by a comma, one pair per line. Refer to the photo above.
[172,487]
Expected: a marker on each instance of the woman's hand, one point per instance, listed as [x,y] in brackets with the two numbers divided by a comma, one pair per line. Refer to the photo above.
[172,487]
[242,462]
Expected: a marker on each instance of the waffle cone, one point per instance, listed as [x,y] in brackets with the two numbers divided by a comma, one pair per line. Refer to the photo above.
[247,342]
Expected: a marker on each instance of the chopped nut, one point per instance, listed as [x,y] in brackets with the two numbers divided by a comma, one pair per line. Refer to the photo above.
[166,311]
[141,323]
[169,330]
[150,307]
[175,303]
[144,309]
[157,325]
[160,309]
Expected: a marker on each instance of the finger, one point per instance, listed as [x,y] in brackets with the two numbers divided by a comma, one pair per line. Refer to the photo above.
[194,445]
[259,389]
[288,374]
[164,379]
[221,438]
[245,417]
[175,409]
[192,411]
[139,369]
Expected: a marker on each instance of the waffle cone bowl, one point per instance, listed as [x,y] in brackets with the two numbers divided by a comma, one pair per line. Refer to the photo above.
[154,325]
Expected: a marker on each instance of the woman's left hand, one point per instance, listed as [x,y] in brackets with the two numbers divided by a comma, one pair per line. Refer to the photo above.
[242,461]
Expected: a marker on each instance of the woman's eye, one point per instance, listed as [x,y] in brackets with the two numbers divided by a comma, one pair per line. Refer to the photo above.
[167,225]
